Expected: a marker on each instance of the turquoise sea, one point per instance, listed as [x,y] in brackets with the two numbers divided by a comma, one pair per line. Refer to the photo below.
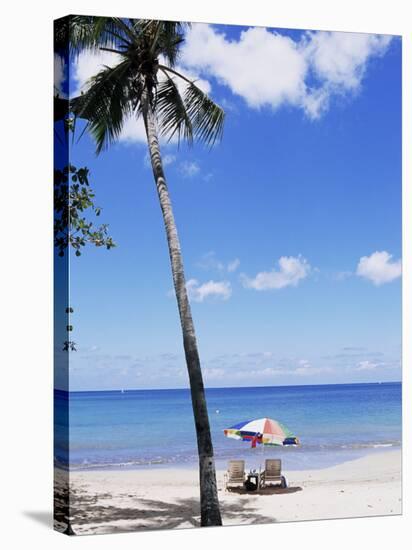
[142,428]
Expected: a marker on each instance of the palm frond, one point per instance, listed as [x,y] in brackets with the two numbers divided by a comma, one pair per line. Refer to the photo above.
[170,39]
[106,104]
[207,117]
[92,33]
[115,93]
[119,26]
[164,36]
[171,112]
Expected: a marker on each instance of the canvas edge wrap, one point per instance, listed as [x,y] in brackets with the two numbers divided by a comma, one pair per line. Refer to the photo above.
[61,150]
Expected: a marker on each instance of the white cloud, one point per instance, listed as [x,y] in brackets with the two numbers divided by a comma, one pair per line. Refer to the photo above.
[302,371]
[199,292]
[233,265]
[88,64]
[209,261]
[168,159]
[305,368]
[366,365]
[269,69]
[133,131]
[340,58]
[379,268]
[213,373]
[268,371]
[189,168]
[60,74]
[292,270]
[262,67]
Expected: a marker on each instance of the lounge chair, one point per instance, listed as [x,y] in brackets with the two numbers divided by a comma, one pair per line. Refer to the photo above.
[272,473]
[235,474]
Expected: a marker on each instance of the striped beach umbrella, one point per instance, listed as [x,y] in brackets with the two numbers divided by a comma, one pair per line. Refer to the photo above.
[262,431]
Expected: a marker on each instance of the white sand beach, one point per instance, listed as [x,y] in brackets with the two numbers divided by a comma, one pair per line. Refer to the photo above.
[129,500]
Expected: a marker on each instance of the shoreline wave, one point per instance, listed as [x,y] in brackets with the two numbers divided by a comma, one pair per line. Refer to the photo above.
[325,454]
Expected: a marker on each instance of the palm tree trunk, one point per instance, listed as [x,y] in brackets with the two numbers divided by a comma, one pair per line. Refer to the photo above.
[209,503]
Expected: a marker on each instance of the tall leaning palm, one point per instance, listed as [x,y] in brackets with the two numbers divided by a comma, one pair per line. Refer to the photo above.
[145,83]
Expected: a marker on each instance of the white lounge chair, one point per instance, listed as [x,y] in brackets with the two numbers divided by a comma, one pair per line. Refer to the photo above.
[235,474]
[272,474]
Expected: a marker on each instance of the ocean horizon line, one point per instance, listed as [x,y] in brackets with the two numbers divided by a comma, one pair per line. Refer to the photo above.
[187,388]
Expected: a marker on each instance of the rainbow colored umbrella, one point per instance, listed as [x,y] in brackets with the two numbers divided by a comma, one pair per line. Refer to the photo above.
[263,431]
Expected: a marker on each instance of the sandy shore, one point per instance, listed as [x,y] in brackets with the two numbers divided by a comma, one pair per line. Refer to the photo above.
[129,500]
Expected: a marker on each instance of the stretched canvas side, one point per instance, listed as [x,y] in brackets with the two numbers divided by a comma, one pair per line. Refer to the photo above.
[61,276]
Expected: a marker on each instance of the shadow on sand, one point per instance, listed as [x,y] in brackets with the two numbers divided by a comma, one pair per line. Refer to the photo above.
[96,513]
[147,514]
[270,490]
[91,515]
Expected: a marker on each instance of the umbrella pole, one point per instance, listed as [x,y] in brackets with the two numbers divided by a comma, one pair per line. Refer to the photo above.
[260,465]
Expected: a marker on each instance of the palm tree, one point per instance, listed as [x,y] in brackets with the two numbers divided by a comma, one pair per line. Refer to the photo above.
[146,83]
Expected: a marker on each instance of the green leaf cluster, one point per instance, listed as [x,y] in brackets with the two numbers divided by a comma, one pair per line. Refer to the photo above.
[73,199]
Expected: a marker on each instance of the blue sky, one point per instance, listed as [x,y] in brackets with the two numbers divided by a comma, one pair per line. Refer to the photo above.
[290,227]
